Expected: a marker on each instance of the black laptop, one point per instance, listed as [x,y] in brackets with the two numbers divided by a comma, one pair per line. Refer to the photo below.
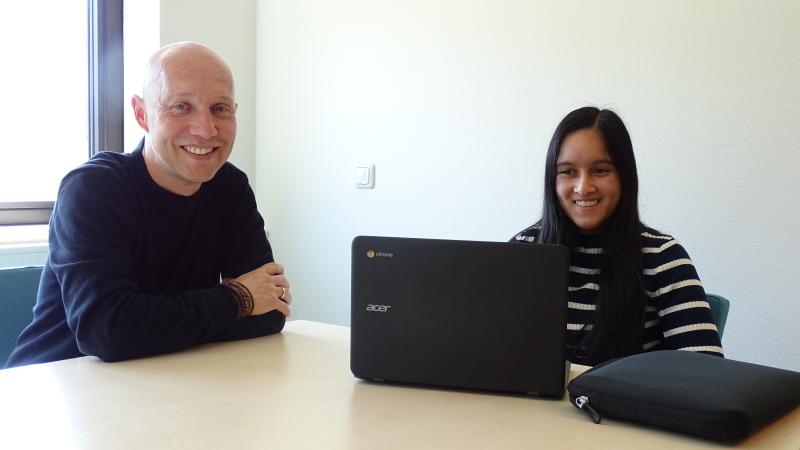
[463,314]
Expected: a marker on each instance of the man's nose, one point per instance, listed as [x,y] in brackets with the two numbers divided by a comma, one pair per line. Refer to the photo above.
[203,125]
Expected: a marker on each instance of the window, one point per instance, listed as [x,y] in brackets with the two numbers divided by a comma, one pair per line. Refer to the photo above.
[63,96]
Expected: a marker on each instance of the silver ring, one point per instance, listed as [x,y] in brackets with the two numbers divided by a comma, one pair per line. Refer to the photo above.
[283,294]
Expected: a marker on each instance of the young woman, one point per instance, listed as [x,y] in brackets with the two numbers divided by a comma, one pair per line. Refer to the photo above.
[632,288]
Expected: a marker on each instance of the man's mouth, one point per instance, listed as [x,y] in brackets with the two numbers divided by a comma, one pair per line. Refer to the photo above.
[198,150]
[586,203]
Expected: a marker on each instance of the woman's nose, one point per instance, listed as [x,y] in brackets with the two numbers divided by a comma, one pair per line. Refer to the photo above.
[584,185]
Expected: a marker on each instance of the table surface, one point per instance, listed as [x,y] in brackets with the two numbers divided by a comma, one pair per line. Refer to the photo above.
[294,390]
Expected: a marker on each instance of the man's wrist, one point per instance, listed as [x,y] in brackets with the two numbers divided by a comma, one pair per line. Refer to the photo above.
[243,296]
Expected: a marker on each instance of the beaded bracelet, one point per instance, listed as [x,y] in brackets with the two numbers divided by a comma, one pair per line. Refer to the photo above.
[244,296]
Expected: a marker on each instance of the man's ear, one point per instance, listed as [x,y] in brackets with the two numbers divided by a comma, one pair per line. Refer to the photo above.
[139,112]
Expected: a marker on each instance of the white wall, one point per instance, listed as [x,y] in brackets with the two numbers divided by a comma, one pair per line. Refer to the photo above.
[228,28]
[455,102]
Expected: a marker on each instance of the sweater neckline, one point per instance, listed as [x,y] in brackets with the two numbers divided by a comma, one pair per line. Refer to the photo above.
[597,240]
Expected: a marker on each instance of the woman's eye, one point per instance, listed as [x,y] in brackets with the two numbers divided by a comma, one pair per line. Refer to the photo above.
[566,171]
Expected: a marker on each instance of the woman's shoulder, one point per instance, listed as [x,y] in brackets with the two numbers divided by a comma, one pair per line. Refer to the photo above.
[659,245]
[651,236]
[528,234]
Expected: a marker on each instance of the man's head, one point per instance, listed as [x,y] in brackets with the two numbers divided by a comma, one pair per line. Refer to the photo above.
[188,110]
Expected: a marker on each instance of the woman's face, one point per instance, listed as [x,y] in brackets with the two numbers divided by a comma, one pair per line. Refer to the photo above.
[587,183]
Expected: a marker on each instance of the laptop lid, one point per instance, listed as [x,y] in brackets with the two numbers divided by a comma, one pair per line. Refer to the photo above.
[467,314]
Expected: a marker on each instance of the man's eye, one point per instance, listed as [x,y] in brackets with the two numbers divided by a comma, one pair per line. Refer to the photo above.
[222,109]
[180,107]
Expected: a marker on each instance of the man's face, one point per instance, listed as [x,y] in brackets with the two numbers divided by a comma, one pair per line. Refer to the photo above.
[190,114]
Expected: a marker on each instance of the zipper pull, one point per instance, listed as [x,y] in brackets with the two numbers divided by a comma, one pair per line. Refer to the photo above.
[582,403]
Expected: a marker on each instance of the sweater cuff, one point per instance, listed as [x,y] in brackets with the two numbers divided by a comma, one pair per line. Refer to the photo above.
[224,305]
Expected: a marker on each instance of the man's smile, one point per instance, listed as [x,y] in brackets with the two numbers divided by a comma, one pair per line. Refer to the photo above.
[198,150]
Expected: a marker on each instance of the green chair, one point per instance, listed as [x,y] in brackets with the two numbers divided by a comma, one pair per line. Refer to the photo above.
[719,311]
[18,288]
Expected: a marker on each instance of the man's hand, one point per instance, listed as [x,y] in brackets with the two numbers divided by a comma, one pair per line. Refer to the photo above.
[269,287]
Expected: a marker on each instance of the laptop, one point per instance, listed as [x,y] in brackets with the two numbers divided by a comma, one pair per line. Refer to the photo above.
[461,314]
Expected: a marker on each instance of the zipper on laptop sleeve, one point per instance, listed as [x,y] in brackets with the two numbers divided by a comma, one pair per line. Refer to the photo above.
[582,403]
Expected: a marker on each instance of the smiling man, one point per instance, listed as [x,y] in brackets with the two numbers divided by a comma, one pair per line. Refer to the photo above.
[189,111]
[163,248]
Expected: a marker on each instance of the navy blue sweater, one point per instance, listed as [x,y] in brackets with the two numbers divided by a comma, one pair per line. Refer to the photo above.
[134,270]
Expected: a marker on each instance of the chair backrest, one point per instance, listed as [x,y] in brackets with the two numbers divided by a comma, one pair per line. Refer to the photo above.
[18,288]
[719,310]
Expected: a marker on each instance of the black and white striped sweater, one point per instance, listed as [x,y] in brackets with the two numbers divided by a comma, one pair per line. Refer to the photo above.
[677,315]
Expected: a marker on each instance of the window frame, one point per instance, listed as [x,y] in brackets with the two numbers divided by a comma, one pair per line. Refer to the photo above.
[106,103]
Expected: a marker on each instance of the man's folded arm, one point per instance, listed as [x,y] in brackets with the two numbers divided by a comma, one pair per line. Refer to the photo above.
[119,323]
[246,247]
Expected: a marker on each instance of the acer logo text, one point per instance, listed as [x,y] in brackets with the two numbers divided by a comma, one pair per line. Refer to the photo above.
[378,308]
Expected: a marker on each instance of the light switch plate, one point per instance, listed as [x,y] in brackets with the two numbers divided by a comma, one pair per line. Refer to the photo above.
[365,176]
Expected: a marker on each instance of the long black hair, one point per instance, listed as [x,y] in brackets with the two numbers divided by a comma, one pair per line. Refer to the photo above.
[621,305]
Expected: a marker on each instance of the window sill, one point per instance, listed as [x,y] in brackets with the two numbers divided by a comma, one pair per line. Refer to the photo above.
[23,245]
[23,235]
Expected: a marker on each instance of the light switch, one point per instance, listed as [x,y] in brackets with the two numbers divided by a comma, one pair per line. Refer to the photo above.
[365,176]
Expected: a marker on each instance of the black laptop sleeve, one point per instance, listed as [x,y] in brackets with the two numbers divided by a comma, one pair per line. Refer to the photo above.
[689,392]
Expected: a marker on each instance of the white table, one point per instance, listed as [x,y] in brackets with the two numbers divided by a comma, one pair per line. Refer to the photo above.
[295,391]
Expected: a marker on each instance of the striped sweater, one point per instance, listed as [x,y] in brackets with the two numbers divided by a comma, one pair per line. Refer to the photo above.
[677,315]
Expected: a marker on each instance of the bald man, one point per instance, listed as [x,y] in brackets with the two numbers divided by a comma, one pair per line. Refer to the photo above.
[163,248]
